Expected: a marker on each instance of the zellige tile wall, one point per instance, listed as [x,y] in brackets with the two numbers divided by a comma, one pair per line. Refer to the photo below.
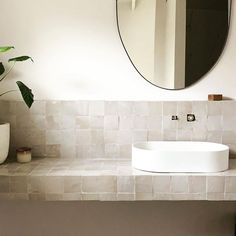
[106,130]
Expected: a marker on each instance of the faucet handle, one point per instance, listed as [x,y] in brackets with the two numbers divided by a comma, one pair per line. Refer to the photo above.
[191,118]
[174,118]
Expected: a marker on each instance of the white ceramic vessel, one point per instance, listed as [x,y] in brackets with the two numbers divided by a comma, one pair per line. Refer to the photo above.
[4,141]
[179,156]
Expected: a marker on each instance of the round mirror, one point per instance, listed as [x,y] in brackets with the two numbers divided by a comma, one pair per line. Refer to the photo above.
[173,43]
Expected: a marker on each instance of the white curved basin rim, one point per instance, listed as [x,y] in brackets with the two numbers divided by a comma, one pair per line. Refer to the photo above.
[165,156]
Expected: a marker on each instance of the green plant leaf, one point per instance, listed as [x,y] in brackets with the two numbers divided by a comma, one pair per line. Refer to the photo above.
[26,93]
[7,73]
[2,69]
[6,48]
[22,58]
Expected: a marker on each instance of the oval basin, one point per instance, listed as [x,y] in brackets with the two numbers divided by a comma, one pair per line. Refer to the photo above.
[176,156]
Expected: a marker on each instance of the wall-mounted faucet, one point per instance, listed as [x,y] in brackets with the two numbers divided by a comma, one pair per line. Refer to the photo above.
[190,117]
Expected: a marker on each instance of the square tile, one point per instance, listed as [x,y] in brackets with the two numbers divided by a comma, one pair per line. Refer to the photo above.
[143,184]
[230,184]
[161,184]
[96,108]
[215,184]
[111,122]
[197,184]
[125,184]
[95,184]
[179,184]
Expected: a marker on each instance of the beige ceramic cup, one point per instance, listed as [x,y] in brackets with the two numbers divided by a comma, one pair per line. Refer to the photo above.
[23,154]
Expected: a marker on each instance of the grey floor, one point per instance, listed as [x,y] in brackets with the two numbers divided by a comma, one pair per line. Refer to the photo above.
[117,219]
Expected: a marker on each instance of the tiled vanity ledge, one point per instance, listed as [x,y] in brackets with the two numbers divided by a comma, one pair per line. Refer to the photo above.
[64,180]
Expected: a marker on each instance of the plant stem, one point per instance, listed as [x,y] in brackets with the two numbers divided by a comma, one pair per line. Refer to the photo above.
[8,92]
[8,72]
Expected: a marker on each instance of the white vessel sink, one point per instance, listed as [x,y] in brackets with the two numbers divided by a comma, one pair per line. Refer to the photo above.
[180,156]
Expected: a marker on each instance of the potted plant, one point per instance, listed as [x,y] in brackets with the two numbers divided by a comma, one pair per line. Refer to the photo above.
[26,94]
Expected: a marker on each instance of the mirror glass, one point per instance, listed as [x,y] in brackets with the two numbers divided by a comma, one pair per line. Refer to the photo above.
[173,43]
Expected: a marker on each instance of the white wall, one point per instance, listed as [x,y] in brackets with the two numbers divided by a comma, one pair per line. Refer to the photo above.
[78,54]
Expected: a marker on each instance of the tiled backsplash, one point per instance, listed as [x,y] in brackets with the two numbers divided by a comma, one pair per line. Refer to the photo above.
[106,130]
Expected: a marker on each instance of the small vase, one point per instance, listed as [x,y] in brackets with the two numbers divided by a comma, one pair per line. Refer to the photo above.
[4,141]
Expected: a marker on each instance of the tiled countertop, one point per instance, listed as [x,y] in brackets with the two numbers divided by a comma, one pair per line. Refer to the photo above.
[73,180]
